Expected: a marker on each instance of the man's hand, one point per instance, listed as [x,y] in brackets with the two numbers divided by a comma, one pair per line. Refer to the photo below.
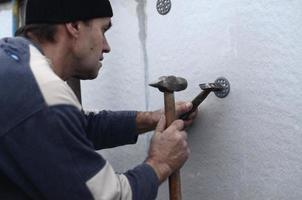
[168,149]
[147,121]
[183,107]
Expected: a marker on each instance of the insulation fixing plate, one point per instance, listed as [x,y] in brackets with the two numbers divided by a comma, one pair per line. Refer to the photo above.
[226,87]
[163,6]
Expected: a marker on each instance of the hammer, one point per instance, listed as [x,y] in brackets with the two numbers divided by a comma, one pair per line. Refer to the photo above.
[221,88]
[168,85]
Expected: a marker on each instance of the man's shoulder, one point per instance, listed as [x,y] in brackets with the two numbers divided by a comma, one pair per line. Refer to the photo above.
[18,91]
[23,63]
[57,93]
[54,90]
[27,83]
[14,54]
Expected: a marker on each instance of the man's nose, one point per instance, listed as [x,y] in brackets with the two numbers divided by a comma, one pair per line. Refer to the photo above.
[107,48]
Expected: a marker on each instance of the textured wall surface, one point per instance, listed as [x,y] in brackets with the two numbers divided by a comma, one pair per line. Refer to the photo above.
[247,146]
[5,20]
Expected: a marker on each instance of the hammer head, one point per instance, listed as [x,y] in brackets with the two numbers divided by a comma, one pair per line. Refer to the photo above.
[211,87]
[221,87]
[170,84]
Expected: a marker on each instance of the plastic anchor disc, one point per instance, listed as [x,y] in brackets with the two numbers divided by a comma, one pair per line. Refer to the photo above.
[163,6]
[226,87]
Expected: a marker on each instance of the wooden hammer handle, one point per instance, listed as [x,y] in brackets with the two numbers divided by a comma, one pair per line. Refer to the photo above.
[174,179]
[175,186]
[169,108]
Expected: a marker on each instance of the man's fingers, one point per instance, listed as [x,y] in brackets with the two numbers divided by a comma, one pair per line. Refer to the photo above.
[188,122]
[183,107]
[161,125]
[184,135]
[177,125]
[189,106]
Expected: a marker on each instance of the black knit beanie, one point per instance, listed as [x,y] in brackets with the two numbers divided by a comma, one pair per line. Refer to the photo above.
[62,11]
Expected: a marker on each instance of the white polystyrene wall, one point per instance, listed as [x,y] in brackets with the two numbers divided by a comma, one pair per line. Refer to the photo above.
[5,20]
[246,146]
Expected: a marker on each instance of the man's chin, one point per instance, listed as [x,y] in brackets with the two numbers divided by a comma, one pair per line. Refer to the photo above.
[87,76]
[89,73]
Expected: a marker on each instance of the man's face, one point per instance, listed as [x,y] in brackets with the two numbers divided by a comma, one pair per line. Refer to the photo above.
[90,47]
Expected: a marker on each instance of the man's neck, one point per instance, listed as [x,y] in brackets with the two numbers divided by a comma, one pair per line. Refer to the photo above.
[57,55]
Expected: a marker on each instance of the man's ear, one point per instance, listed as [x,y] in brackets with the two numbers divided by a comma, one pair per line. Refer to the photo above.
[73,28]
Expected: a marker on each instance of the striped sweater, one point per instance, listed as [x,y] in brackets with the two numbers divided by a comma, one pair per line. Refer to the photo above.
[48,144]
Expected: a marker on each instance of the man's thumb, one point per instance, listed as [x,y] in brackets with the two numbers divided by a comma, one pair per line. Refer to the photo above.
[161,125]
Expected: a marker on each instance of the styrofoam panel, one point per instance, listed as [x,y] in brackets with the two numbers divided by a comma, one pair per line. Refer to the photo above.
[247,145]
[6,22]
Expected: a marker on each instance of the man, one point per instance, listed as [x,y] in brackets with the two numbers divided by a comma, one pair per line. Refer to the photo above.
[47,143]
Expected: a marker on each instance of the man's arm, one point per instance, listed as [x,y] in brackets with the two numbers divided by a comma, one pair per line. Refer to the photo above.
[107,129]
[49,156]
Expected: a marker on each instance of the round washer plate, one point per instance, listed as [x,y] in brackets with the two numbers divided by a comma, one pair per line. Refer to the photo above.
[226,87]
[163,6]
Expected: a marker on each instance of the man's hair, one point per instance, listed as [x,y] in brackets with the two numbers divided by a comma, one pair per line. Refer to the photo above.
[42,32]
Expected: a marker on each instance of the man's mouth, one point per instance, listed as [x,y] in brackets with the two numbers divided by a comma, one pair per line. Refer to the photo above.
[100,61]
